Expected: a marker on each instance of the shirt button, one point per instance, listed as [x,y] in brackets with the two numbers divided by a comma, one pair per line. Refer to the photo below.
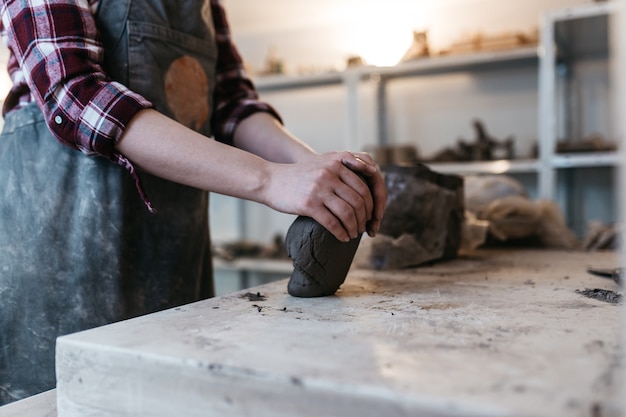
[58,119]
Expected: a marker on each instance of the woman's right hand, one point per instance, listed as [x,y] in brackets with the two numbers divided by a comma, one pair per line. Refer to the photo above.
[342,191]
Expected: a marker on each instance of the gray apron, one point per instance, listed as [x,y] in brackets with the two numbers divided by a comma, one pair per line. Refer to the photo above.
[78,247]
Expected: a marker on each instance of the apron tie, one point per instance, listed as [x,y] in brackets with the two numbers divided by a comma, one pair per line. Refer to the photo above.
[123,161]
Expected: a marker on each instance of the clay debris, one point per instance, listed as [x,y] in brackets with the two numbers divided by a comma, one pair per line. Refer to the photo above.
[607,296]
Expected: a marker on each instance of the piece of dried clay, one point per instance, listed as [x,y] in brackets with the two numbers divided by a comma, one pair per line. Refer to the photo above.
[320,261]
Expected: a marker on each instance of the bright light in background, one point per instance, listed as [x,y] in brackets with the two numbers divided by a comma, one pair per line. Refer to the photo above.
[500,167]
[382,31]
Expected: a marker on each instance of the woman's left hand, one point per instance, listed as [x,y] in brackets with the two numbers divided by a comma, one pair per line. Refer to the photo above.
[363,164]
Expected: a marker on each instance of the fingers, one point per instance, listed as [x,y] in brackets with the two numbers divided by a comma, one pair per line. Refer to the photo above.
[364,164]
[342,191]
[344,224]
[360,162]
[363,199]
[379,192]
[346,197]
[357,203]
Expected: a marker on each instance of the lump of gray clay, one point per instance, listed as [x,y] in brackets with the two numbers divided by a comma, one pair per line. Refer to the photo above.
[320,261]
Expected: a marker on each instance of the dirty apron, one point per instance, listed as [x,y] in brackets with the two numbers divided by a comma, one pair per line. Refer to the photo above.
[78,248]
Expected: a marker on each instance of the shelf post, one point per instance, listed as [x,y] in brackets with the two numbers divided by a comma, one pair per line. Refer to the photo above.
[547,114]
[351,81]
[381,111]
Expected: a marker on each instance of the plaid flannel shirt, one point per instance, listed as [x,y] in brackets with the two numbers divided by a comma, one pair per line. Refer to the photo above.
[56,61]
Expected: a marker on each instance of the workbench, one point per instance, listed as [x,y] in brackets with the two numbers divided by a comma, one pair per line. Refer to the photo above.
[491,333]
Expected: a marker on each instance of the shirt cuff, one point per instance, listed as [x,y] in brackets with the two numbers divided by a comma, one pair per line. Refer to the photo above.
[101,124]
[103,120]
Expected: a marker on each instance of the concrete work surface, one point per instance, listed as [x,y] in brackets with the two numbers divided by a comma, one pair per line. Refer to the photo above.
[493,333]
[40,405]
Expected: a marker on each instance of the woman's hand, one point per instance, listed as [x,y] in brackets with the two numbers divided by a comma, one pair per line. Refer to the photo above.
[325,187]
[342,191]
[364,164]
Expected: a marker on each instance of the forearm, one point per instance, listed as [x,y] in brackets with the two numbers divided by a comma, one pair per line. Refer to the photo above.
[165,148]
[324,187]
[263,135]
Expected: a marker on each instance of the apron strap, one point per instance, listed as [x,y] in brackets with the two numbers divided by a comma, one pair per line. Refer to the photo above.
[115,14]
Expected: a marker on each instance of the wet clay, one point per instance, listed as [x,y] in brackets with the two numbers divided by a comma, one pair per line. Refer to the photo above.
[320,261]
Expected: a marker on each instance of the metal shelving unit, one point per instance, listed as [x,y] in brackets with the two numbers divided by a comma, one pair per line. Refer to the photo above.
[571,38]
[352,78]
[566,35]
[585,160]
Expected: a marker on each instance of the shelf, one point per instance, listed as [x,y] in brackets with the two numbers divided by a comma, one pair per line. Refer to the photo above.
[581,160]
[436,64]
[486,167]
[269,266]
[280,82]
[446,63]
[503,166]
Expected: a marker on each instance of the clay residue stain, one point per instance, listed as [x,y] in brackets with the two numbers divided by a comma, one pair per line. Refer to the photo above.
[187,92]
[439,306]
[607,296]
[254,297]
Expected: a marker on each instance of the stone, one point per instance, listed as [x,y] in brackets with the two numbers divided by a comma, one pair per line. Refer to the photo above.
[422,222]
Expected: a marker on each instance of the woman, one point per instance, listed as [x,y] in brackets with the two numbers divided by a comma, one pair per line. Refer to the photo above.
[119,229]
